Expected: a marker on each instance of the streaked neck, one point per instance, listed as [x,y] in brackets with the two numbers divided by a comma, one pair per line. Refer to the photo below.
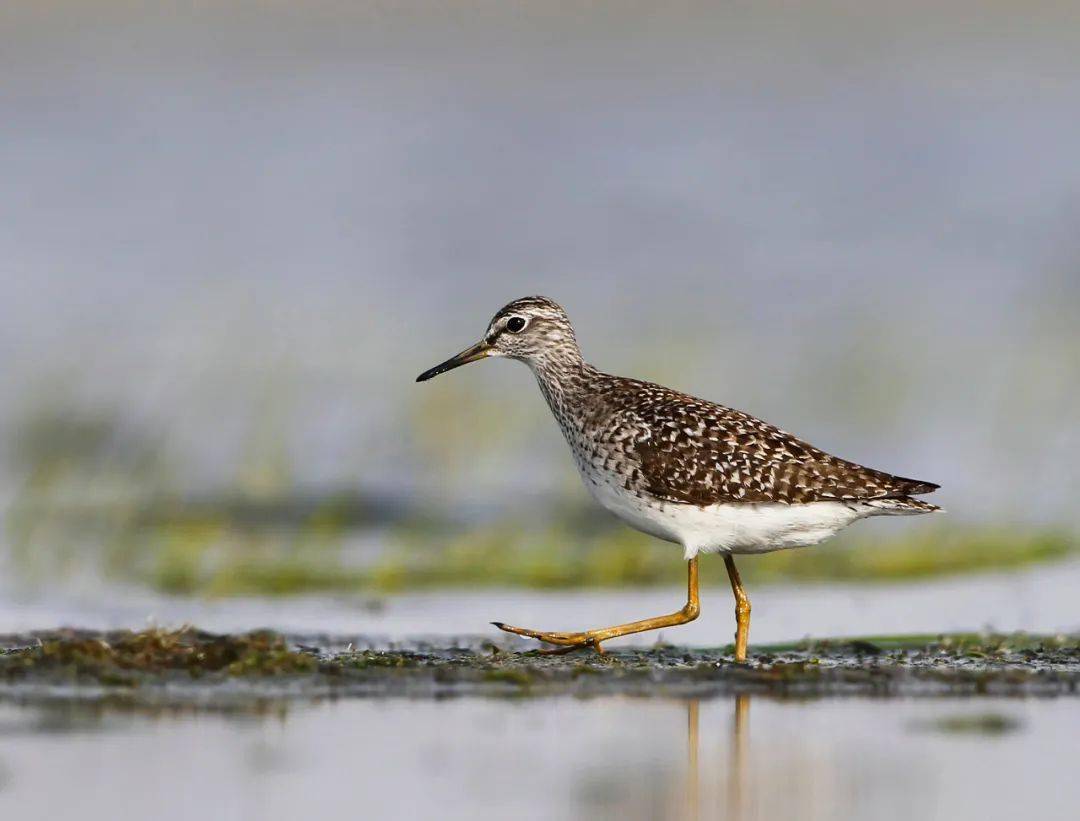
[564,378]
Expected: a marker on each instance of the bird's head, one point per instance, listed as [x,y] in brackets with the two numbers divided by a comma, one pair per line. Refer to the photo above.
[530,329]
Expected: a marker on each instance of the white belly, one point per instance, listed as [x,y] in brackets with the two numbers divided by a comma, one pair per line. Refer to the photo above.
[729,528]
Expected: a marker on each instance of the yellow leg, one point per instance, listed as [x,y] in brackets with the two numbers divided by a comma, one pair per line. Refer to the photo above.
[742,609]
[592,638]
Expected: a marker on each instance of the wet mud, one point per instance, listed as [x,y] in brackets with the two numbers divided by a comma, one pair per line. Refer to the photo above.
[189,667]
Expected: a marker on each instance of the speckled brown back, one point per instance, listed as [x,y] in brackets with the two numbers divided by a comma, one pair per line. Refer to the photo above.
[678,448]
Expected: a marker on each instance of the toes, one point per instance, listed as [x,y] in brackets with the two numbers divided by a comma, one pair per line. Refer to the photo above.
[521,631]
[568,639]
[558,638]
[571,648]
[562,651]
[562,638]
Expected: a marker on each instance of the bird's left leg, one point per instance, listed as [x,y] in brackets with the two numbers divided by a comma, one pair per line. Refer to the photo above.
[742,609]
[592,638]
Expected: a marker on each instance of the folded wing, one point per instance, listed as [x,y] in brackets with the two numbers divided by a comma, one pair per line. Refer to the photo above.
[695,452]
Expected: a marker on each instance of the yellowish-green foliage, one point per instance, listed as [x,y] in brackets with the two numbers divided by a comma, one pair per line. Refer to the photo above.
[557,559]
[213,556]
[278,545]
[934,552]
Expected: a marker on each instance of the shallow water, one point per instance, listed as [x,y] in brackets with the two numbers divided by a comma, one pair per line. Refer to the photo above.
[548,758]
[557,757]
[1040,599]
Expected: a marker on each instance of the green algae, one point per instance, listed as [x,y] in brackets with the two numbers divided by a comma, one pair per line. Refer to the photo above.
[519,677]
[985,724]
[127,658]
[366,659]
[190,666]
[982,645]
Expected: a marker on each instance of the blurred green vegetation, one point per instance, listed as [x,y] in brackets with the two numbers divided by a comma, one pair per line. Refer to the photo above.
[617,558]
[97,500]
[212,553]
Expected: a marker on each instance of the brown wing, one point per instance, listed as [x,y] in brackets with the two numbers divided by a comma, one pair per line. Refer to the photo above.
[696,452]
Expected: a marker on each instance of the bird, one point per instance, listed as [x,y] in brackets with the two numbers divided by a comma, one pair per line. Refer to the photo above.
[709,478]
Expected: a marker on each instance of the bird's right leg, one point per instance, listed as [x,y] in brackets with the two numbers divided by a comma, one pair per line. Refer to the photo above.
[592,638]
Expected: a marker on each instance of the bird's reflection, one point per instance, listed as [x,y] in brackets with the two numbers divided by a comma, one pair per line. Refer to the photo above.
[740,741]
[693,774]
[733,803]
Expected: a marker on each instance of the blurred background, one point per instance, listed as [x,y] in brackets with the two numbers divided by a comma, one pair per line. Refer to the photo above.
[233,234]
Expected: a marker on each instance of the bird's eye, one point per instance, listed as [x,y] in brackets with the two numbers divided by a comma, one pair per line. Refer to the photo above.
[515,324]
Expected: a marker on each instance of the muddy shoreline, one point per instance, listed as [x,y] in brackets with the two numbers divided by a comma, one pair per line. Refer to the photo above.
[194,668]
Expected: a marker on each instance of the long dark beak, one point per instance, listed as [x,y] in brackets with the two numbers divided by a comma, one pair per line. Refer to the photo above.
[477,351]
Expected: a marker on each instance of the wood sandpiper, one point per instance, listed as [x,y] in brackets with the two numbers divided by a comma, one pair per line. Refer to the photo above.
[701,475]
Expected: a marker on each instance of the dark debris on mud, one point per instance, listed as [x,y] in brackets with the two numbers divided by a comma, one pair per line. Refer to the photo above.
[188,666]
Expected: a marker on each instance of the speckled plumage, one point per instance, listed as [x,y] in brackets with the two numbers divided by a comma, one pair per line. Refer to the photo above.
[684,450]
[685,469]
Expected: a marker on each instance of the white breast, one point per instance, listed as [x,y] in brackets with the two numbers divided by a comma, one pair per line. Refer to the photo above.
[728,528]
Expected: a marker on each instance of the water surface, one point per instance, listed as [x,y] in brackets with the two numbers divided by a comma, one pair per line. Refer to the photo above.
[549,758]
